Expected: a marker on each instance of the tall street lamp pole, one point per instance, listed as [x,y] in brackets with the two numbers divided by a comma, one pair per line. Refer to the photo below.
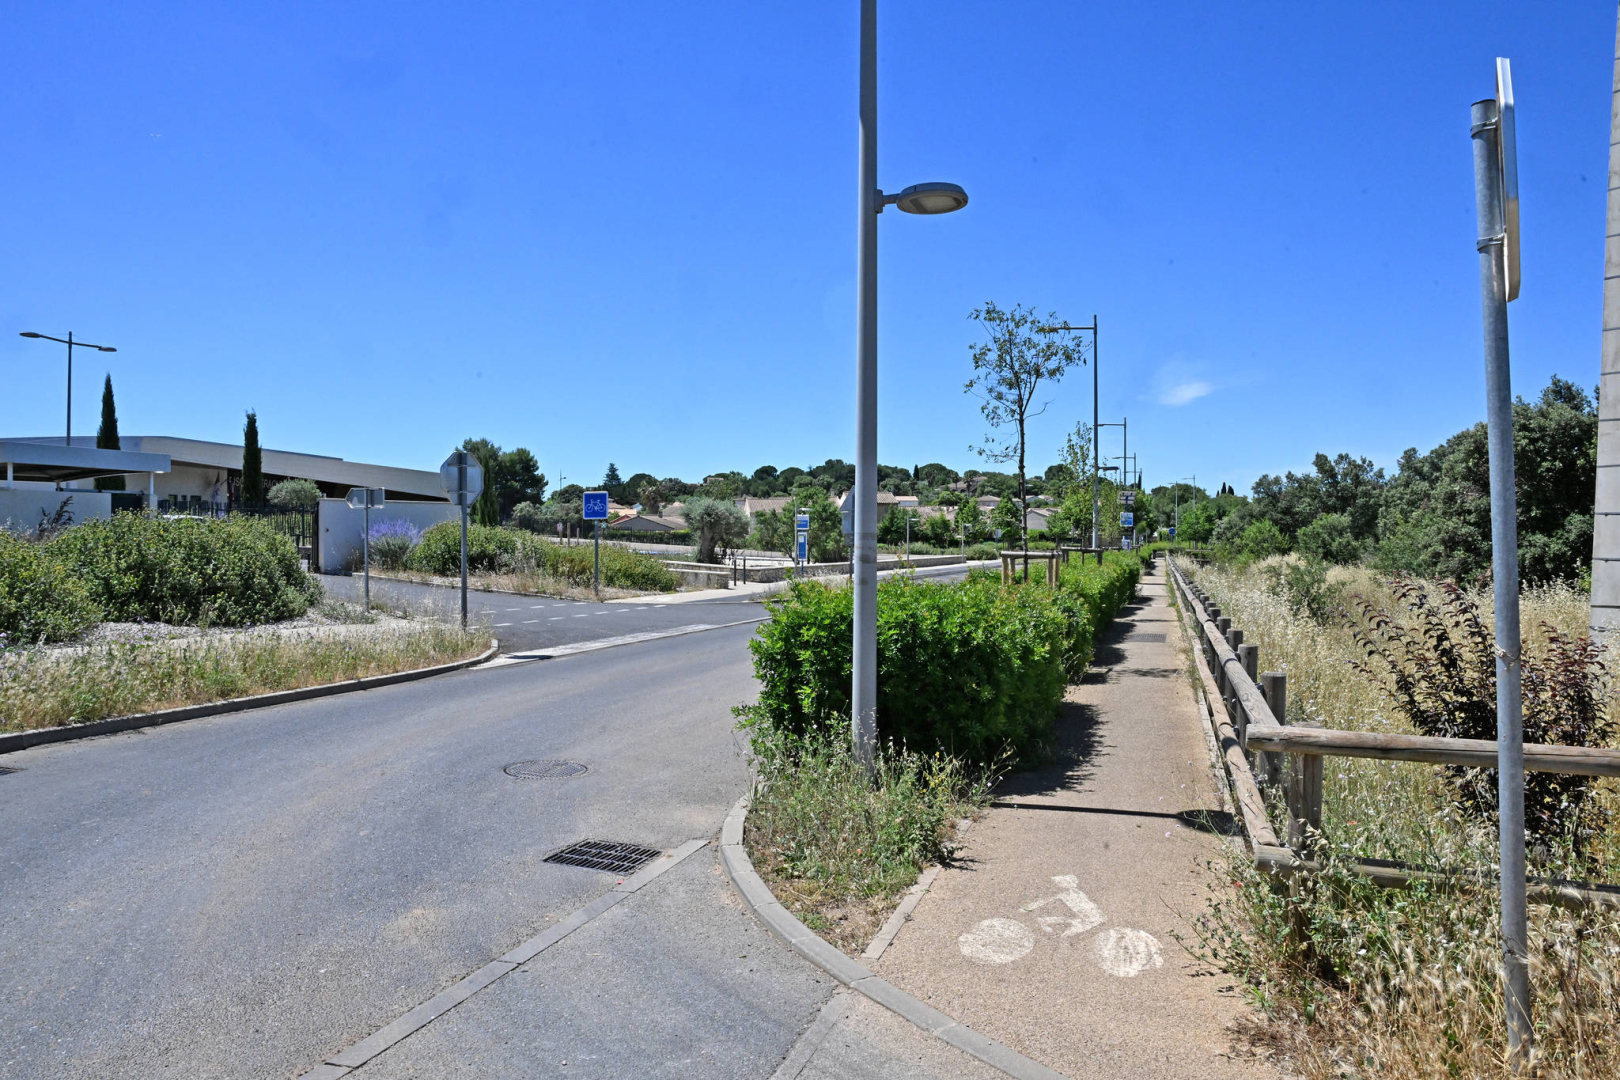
[931,198]
[69,342]
[1096,446]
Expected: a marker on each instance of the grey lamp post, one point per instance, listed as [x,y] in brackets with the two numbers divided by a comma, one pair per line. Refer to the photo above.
[69,342]
[932,198]
[1096,448]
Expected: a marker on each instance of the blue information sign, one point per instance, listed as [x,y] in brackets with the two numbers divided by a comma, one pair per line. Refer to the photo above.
[801,547]
[596,506]
[1126,519]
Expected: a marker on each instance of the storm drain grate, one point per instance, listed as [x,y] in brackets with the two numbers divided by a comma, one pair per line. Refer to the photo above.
[1146,637]
[605,855]
[545,770]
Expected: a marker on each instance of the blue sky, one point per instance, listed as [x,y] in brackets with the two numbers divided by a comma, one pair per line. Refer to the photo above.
[626,231]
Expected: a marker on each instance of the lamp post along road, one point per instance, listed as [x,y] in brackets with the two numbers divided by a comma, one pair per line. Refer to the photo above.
[932,198]
[69,342]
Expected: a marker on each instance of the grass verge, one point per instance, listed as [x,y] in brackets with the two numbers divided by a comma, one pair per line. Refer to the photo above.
[839,850]
[41,687]
[520,583]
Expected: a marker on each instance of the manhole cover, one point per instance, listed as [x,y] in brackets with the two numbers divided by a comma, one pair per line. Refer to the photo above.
[545,770]
[614,858]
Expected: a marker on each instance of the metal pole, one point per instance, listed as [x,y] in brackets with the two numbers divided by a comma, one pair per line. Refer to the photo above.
[367,546]
[1096,433]
[596,560]
[1505,572]
[863,689]
[1606,498]
[463,498]
[69,441]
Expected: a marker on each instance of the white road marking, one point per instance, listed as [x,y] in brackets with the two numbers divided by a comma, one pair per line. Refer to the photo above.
[514,609]
[526,622]
[582,614]
[1086,914]
[503,624]
[996,941]
[554,618]
[1127,953]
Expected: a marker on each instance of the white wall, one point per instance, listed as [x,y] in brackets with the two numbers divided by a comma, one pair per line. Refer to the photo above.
[343,527]
[20,509]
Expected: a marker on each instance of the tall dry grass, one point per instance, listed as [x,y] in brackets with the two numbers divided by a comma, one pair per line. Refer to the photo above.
[1402,983]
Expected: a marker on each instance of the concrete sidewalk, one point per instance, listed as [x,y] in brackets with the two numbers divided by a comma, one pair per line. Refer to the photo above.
[1056,933]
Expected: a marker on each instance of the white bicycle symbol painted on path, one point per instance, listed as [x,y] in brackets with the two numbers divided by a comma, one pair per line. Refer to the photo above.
[1120,950]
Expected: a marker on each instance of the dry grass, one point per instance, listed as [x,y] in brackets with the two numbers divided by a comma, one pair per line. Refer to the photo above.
[45,687]
[1402,984]
[530,583]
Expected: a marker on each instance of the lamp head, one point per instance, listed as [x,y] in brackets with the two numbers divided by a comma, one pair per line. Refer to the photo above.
[30,333]
[932,198]
[106,348]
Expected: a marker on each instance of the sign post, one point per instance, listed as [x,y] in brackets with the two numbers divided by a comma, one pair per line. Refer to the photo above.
[596,510]
[365,499]
[462,479]
[801,536]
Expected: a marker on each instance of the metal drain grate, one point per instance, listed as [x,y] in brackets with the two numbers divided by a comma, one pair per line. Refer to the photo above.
[545,770]
[1145,637]
[605,855]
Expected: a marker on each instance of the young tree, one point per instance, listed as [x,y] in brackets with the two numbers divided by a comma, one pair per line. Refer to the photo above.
[612,483]
[487,509]
[252,462]
[718,525]
[107,437]
[971,518]
[1008,371]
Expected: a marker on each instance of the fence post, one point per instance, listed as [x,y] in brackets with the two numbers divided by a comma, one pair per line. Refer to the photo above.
[1304,798]
[1274,688]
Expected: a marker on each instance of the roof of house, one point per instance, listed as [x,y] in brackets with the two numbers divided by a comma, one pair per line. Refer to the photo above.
[36,460]
[753,505]
[648,523]
[321,468]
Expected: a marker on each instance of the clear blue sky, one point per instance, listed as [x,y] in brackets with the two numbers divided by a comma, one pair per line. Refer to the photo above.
[626,231]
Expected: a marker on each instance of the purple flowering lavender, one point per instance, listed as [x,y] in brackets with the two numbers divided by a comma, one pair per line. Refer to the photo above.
[391,542]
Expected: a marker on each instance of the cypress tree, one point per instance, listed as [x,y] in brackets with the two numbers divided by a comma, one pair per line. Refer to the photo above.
[107,436]
[252,463]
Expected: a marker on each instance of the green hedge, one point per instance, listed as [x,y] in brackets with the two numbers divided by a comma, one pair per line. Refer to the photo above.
[40,599]
[1089,596]
[491,549]
[972,670]
[232,572]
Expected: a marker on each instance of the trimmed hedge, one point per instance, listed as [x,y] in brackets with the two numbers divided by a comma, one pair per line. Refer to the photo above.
[1089,597]
[40,599]
[231,572]
[501,550]
[972,670]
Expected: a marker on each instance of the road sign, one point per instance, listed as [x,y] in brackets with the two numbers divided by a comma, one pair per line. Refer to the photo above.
[365,498]
[802,521]
[1127,520]
[801,546]
[1172,532]
[1130,499]
[1506,144]
[463,488]
[596,506]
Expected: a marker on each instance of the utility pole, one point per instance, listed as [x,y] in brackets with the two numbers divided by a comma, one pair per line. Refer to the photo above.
[1605,615]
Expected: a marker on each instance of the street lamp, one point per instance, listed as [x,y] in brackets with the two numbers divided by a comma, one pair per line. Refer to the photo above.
[1096,450]
[69,342]
[930,198]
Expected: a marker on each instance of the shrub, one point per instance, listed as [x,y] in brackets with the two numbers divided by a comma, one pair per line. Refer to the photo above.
[1261,540]
[229,572]
[438,550]
[1329,538]
[391,543]
[529,518]
[295,495]
[509,551]
[1089,595]
[973,670]
[718,525]
[1303,585]
[1441,675]
[40,601]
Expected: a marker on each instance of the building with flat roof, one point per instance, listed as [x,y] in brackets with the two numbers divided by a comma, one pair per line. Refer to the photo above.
[203,474]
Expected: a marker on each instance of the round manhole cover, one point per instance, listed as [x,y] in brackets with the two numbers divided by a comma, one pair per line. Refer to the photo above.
[545,770]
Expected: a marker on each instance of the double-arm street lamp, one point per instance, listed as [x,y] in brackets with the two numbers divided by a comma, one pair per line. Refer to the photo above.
[932,198]
[1095,445]
[69,342]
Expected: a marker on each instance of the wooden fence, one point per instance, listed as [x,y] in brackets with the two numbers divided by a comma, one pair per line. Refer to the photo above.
[1248,713]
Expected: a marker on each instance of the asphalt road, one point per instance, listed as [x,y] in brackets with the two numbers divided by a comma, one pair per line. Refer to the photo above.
[246,895]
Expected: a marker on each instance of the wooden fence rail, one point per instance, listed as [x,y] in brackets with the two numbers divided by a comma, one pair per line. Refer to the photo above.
[1252,719]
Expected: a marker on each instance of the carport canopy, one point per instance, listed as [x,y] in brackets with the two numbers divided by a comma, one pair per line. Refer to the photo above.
[54,463]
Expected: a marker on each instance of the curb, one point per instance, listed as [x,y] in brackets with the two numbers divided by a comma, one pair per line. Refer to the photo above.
[22,740]
[804,941]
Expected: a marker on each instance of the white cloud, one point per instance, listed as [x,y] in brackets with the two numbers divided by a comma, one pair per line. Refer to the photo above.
[1181,393]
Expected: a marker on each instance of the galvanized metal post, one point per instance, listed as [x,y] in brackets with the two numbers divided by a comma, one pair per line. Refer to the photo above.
[596,562]
[366,544]
[1606,509]
[1505,571]
[463,498]
[1096,437]
[863,691]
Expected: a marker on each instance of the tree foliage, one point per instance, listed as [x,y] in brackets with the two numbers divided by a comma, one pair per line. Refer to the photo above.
[252,462]
[107,436]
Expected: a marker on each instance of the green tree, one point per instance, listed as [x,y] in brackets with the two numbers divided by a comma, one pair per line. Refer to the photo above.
[1006,519]
[718,525]
[252,462]
[107,436]
[969,516]
[487,509]
[892,529]
[1008,371]
[1330,539]
[1262,539]
[295,495]
[938,530]
[612,483]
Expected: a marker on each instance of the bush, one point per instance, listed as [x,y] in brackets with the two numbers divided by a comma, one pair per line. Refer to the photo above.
[295,495]
[391,543]
[509,551]
[40,601]
[1089,596]
[973,670]
[231,572]
[1329,539]
[529,518]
